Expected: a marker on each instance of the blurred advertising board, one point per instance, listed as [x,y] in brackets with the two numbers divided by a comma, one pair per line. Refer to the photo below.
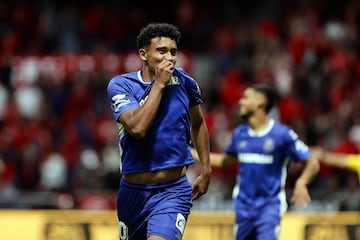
[102,225]
[332,232]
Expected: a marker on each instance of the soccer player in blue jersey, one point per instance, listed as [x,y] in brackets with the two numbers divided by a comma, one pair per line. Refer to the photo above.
[158,113]
[263,147]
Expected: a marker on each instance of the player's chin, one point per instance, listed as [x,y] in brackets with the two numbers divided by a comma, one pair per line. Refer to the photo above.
[243,113]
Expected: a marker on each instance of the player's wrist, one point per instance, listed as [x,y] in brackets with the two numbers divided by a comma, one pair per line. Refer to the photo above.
[160,84]
[300,183]
[206,171]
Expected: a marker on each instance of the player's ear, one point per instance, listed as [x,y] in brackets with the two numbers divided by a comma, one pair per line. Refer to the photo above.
[142,54]
[262,102]
[262,105]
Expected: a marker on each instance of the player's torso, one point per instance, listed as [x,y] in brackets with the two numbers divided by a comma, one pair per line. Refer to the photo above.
[165,144]
[263,164]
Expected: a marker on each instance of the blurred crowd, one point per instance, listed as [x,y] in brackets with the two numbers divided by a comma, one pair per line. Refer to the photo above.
[58,135]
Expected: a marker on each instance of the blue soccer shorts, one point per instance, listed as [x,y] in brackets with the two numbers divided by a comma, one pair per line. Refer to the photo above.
[155,209]
[260,224]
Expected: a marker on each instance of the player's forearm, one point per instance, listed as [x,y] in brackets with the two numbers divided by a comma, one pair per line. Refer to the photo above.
[311,169]
[200,138]
[217,160]
[335,159]
[139,121]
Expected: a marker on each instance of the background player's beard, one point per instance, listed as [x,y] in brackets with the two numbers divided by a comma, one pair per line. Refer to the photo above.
[246,115]
[240,119]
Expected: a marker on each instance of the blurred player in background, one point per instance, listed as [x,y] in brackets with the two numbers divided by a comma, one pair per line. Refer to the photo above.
[264,147]
[158,111]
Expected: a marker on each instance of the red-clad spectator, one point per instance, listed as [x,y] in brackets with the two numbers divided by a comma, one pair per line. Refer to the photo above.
[230,89]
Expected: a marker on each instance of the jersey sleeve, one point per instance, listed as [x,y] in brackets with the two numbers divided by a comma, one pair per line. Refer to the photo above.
[231,148]
[353,162]
[192,89]
[120,97]
[295,148]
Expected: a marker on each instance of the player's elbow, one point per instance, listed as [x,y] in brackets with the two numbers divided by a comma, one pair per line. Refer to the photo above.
[314,163]
[137,132]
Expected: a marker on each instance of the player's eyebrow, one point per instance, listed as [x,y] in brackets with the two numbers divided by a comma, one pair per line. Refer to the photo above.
[165,49]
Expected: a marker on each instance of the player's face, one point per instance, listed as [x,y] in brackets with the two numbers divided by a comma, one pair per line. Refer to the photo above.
[160,49]
[249,102]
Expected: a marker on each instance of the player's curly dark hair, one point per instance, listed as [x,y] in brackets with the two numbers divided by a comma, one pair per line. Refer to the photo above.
[269,93]
[154,30]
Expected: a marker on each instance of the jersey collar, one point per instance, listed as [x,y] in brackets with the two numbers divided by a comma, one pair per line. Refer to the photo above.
[141,78]
[262,132]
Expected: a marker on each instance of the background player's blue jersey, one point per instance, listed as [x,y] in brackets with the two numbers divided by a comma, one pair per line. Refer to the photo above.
[167,142]
[264,158]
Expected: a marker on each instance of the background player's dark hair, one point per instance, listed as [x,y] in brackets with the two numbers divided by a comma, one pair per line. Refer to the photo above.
[269,93]
[153,30]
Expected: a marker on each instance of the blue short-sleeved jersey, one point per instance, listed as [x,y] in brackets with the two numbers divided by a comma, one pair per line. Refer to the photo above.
[167,142]
[263,158]
[259,195]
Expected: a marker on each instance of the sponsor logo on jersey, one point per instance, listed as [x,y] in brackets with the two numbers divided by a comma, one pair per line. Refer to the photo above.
[119,101]
[255,158]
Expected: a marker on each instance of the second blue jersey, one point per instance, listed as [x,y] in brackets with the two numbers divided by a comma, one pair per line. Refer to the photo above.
[167,142]
[264,158]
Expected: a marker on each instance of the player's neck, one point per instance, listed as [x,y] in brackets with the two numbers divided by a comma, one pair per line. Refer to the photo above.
[258,123]
[147,75]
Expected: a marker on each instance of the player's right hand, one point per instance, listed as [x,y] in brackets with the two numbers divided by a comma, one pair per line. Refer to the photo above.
[163,71]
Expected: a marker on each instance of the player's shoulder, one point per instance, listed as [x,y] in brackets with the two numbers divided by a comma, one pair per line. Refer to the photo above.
[284,130]
[180,71]
[278,126]
[241,128]
[182,74]
[122,79]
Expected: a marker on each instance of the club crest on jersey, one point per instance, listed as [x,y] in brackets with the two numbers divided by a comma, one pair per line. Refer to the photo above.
[174,81]
[242,144]
[268,145]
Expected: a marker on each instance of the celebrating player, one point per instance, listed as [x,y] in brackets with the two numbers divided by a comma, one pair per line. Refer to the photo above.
[158,111]
[263,147]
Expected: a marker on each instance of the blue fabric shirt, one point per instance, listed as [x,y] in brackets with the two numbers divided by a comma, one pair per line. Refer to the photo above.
[264,158]
[167,142]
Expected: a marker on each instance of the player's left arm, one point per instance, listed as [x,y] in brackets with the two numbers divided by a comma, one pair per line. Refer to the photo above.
[298,151]
[301,196]
[200,138]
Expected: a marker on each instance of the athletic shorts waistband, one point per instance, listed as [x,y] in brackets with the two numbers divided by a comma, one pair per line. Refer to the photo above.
[152,186]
